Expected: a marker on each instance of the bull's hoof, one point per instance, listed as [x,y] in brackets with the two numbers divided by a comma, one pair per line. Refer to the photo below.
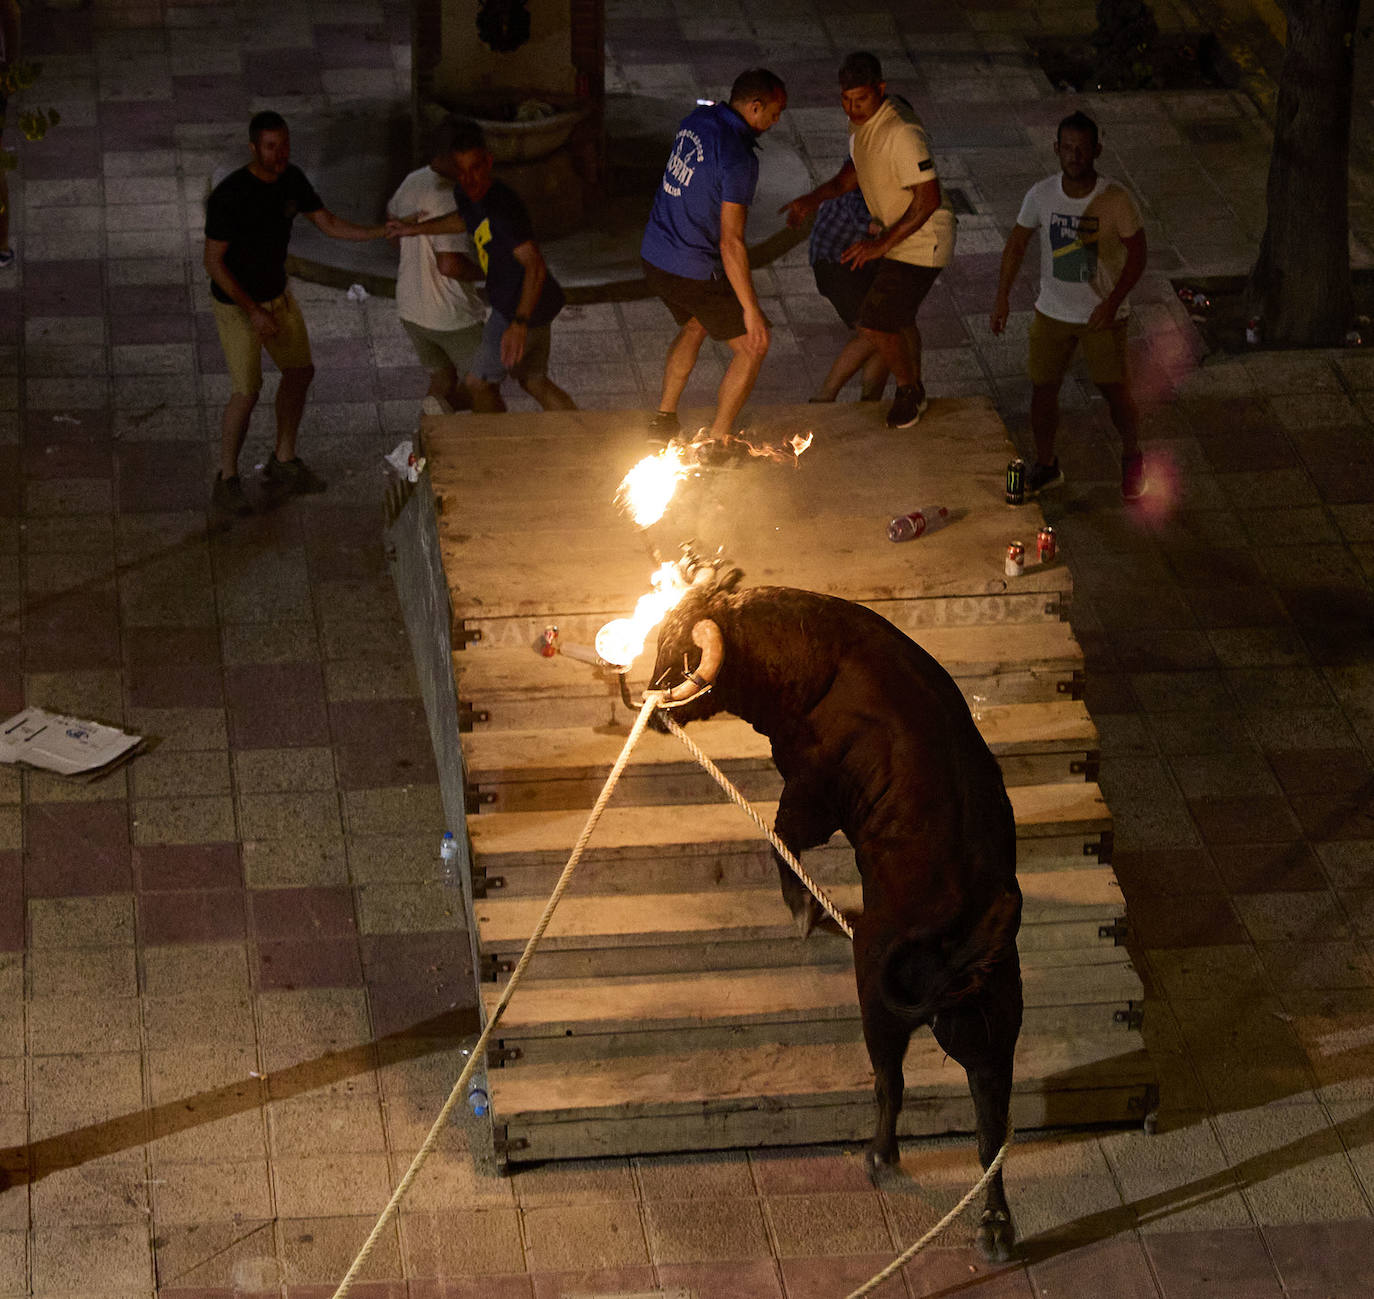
[883,1169]
[806,911]
[996,1236]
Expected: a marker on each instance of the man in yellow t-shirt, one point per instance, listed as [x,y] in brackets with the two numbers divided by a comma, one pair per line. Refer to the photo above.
[891,162]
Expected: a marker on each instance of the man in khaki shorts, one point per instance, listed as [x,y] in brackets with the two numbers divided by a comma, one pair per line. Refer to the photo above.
[247,228]
[1092,252]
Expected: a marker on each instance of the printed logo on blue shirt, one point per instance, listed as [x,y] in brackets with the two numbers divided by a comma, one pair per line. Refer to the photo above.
[686,156]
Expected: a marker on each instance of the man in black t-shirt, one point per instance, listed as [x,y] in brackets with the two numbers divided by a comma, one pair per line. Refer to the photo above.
[247,228]
[524,296]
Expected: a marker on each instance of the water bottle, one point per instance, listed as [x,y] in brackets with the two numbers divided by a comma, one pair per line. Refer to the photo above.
[907,527]
[478,1101]
[448,859]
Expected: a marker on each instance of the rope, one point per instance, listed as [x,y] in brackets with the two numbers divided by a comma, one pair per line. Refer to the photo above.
[746,807]
[651,702]
[911,1251]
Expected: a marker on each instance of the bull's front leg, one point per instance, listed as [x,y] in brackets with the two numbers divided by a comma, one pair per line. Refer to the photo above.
[887,1038]
[804,821]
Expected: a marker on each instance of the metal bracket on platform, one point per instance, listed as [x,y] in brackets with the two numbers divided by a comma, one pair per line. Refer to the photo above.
[482,883]
[1058,607]
[463,635]
[1131,1018]
[499,1056]
[468,716]
[1073,687]
[504,1145]
[493,967]
[1116,931]
[1088,767]
[477,799]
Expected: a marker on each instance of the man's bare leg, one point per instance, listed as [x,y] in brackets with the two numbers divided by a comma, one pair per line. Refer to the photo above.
[735,387]
[677,367]
[874,379]
[485,397]
[290,406]
[854,356]
[233,428]
[547,393]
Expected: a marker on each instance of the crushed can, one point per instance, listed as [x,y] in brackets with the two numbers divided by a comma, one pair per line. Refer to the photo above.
[1016,559]
[1252,331]
[1047,544]
[1016,482]
[549,642]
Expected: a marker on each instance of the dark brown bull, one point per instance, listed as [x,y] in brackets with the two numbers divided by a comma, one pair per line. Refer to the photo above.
[872,737]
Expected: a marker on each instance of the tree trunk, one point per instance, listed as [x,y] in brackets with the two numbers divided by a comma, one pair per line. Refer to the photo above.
[1300,285]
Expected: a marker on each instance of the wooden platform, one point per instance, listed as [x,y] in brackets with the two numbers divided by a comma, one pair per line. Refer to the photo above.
[671,1005]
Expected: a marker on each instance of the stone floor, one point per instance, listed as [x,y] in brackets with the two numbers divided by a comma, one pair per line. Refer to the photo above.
[234,989]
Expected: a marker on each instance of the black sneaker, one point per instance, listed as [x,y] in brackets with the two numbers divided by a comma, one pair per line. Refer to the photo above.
[907,406]
[663,425]
[295,475]
[1132,477]
[226,497]
[1041,478]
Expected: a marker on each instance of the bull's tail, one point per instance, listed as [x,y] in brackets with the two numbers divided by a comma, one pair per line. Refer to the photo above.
[923,975]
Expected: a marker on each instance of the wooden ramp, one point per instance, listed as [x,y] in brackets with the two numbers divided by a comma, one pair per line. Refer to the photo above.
[671,1005]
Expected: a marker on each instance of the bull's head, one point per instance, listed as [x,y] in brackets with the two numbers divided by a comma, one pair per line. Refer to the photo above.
[691,646]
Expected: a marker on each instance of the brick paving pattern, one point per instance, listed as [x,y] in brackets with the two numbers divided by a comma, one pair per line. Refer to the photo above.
[233,986]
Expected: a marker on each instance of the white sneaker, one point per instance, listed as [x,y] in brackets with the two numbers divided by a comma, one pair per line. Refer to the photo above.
[435,406]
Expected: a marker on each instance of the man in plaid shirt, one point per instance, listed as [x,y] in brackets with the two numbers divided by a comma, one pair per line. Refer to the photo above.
[839,223]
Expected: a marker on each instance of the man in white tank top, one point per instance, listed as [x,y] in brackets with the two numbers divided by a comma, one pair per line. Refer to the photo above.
[1092,252]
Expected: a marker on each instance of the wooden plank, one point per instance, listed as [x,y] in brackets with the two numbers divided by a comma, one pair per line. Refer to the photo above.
[625,833]
[730,1129]
[567,1007]
[819,525]
[811,1074]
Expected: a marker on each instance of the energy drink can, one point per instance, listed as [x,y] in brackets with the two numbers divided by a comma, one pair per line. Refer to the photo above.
[1016,559]
[1046,544]
[1016,482]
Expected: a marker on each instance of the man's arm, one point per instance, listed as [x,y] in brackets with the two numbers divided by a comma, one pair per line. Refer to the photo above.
[337,227]
[518,331]
[457,266]
[1013,254]
[10,27]
[1105,311]
[263,322]
[451,223]
[925,202]
[734,256]
[841,182]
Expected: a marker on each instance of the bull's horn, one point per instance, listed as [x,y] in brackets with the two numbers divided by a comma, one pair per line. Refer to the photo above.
[706,637]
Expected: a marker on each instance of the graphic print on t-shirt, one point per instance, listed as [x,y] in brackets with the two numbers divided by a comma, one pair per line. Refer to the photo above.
[1073,245]
[481,237]
[686,157]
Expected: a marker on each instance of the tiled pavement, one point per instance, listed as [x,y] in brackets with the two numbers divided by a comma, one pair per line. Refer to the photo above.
[233,995]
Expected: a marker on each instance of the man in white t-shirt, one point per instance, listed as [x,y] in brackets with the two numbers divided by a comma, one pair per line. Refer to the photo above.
[439,310]
[1092,252]
[891,162]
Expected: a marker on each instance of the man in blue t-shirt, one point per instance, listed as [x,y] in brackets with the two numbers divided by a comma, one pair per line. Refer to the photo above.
[524,296]
[694,255]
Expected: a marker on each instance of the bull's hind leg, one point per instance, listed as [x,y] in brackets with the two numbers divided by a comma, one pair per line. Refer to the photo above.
[981,1035]
[803,822]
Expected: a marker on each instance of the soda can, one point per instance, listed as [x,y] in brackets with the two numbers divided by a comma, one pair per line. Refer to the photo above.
[1252,331]
[1046,544]
[1016,559]
[1016,482]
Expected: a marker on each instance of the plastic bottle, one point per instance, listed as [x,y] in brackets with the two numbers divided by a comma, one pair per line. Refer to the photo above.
[906,527]
[478,1100]
[448,858]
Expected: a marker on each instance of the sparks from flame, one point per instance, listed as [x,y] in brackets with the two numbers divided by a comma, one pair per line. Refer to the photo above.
[621,640]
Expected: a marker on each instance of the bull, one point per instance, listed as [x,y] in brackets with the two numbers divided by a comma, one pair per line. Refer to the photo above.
[872,737]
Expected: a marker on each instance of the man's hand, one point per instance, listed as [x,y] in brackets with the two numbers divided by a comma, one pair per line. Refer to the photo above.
[799,209]
[864,251]
[513,344]
[756,333]
[399,229]
[1104,314]
[1001,309]
[264,323]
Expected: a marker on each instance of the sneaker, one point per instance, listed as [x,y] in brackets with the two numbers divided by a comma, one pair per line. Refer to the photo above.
[1132,477]
[435,406]
[907,406]
[1040,478]
[6,258]
[295,475]
[226,497]
[663,425]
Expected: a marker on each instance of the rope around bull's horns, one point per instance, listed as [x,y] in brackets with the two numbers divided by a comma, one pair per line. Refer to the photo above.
[651,702]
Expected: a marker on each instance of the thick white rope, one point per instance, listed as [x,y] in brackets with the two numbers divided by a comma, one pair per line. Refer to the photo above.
[746,807]
[651,702]
[911,1251]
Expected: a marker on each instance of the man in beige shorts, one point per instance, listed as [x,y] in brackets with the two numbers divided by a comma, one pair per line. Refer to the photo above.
[247,228]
